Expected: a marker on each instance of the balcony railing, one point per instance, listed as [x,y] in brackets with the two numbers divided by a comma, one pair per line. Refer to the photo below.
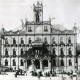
[62,55]
[14,55]
[70,55]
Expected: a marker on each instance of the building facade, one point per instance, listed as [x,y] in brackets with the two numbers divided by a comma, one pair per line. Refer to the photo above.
[39,44]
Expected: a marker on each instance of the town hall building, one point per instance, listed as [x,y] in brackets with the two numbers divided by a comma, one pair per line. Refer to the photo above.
[39,44]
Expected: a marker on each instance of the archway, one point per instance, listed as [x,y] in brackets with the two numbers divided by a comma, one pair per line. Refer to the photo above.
[37,64]
[45,63]
[28,63]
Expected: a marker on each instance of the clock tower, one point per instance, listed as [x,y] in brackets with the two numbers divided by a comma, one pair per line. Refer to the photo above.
[38,12]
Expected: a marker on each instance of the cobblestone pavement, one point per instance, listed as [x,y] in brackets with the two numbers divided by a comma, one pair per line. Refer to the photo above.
[11,76]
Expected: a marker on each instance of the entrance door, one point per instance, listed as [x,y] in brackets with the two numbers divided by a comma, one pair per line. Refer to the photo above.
[37,64]
[28,63]
[45,64]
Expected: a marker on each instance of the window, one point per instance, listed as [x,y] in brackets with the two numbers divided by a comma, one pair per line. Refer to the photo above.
[45,40]
[53,40]
[61,40]
[53,51]
[69,40]
[14,52]
[61,51]
[14,62]
[29,29]
[62,62]
[45,28]
[29,41]
[21,51]
[22,41]
[14,41]
[6,52]
[22,63]
[54,62]
[6,41]
[70,62]
[6,62]
[69,51]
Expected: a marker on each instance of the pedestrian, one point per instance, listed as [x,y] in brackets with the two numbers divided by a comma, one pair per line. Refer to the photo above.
[38,76]
[16,75]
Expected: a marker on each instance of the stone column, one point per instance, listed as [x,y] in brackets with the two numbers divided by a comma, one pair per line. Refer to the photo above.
[25,66]
[40,64]
[32,61]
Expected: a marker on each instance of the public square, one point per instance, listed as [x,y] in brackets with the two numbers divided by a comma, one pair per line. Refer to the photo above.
[11,76]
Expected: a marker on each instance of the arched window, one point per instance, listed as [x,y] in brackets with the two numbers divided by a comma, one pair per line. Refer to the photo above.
[14,52]
[45,40]
[29,41]
[54,62]
[70,62]
[14,41]
[22,41]
[45,63]
[29,29]
[69,40]
[54,51]
[6,52]
[21,51]
[61,51]
[6,62]
[69,51]
[14,62]
[6,41]
[62,62]
[45,28]
[61,40]
[22,63]
[53,40]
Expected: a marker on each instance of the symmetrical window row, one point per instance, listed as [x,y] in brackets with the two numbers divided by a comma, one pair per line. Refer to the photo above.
[14,62]
[62,62]
[45,39]
[54,51]
[14,41]
[30,29]
[14,52]
[62,51]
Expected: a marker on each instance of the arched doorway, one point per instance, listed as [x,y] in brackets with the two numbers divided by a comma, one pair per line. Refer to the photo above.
[37,64]
[28,63]
[45,64]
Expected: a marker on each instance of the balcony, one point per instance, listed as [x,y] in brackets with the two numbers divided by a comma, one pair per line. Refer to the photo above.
[14,56]
[62,44]
[22,45]
[70,55]
[69,44]
[14,45]
[6,56]
[7,45]
[21,55]
[54,44]
[62,55]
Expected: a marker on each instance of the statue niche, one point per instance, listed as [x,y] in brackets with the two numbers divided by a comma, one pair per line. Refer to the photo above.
[37,16]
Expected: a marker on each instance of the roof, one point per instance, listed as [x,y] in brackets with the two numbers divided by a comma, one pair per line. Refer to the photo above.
[59,27]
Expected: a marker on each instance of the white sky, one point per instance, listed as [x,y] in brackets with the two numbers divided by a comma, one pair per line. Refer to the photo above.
[64,11]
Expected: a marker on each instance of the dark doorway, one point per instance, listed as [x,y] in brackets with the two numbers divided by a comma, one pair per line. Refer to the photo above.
[45,63]
[37,64]
[28,63]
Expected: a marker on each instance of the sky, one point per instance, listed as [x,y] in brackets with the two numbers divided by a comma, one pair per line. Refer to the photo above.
[65,12]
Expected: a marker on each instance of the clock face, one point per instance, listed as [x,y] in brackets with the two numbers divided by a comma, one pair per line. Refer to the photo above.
[38,29]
